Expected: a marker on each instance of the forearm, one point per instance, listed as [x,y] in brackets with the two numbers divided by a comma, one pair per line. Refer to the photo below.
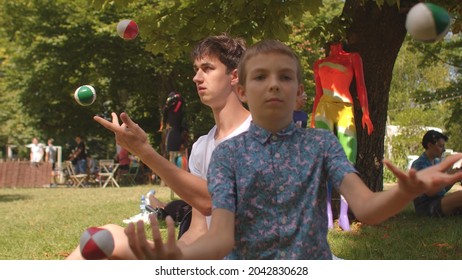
[217,242]
[197,228]
[372,207]
[208,247]
[380,206]
[189,187]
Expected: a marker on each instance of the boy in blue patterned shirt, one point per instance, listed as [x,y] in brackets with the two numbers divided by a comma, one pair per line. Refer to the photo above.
[268,185]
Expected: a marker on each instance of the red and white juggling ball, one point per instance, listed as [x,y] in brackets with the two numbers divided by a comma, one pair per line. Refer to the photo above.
[96,243]
[127,29]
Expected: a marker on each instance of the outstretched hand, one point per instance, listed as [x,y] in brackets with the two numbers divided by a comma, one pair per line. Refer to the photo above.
[128,134]
[434,178]
[144,250]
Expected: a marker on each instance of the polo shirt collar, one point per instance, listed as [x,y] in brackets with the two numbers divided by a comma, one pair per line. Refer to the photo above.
[262,135]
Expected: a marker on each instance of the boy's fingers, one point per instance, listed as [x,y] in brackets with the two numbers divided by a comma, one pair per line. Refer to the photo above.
[157,238]
[127,120]
[104,123]
[395,170]
[170,227]
[410,176]
[115,119]
[413,175]
[133,240]
[448,162]
[171,240]
[145,248]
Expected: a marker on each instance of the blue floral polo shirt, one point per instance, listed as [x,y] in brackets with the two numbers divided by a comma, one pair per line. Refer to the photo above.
[276,186]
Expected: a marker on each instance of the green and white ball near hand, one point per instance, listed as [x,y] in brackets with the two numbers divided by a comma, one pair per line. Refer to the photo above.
[85,95]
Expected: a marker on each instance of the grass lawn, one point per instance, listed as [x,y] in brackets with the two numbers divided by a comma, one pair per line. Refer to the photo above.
[405,236]
[46,224]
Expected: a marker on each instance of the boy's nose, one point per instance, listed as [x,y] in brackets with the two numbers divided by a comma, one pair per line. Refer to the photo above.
[197,77]
[274,85]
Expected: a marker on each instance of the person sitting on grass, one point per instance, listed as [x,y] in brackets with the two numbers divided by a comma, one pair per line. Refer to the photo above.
[438,202]
[268,185]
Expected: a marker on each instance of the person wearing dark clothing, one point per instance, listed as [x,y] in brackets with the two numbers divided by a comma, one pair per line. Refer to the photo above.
[173,117]
[300,116]
[79,156]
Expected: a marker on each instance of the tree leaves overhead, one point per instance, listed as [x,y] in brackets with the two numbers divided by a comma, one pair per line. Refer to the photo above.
[171,28]
[56,46]
[53,46]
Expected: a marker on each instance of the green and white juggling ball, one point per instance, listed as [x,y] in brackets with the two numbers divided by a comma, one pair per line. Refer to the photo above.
[427,22]
[85,95]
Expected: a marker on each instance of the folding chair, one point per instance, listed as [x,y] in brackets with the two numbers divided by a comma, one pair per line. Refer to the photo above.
[129,177]
[76,179]
[107,171]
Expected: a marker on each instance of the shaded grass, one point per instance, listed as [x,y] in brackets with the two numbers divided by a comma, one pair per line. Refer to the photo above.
[47,223]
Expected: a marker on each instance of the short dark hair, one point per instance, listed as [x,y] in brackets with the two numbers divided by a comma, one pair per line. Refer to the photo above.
[227,49]
[432,136]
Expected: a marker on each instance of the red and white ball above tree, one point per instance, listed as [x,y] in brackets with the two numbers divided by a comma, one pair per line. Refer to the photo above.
[127,29]
[427,22]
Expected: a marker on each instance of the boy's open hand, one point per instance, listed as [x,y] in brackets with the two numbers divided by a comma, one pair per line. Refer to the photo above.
[144,250]
[434,178]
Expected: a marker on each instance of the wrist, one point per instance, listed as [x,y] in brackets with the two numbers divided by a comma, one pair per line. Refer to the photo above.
[144,151]
[406,193]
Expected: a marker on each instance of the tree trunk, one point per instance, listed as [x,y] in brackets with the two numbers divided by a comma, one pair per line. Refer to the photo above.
[377,34]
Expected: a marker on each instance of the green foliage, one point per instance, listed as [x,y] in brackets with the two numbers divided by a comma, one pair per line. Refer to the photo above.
[49,48]
[56,46]
[449,94]
[171,28]
[429,97]
[17,126]
[454,126]
[53,47]
[330,30]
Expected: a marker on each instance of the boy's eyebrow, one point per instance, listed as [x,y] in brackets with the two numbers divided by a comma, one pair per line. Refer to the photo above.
[202,64]
[287,69]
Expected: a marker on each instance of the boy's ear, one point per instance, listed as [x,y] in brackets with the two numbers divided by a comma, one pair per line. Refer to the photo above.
[241,93]
[234,77]
[300,90]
